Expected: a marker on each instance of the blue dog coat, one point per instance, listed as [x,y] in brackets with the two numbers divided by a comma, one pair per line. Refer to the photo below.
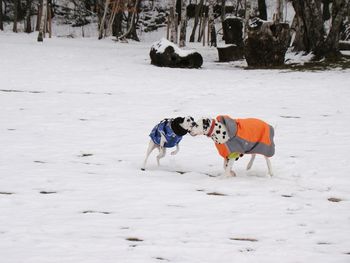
[164,127]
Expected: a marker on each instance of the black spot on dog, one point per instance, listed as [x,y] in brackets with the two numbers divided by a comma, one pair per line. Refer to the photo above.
[224,133]
[223,137]
[218,132]
[219,126]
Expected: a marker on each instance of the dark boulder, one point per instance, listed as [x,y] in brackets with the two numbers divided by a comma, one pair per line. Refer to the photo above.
[166,54]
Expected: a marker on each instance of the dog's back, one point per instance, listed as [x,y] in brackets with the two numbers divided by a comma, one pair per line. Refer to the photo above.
[247,136]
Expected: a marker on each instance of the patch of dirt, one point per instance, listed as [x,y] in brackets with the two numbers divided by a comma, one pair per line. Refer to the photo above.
[6,193]
[334,199]
[95,212]
[216,193]
[86,155]
[289,117]
[134,239]
[244,239]
[324,243]
[163,259]
[47,192]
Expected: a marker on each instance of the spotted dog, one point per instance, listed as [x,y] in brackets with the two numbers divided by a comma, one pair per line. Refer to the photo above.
[235,137]
[167,134]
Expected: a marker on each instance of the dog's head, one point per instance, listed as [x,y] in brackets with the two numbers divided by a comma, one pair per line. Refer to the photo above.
[182,125]
[201,127]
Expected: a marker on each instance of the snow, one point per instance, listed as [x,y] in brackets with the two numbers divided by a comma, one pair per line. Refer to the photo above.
[75,118]
[162,44]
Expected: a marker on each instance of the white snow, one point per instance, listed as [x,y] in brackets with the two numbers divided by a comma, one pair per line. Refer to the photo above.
[75,118]
[162,44]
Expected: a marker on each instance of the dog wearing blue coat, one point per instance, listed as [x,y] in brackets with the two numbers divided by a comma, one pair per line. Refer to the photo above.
[167,134]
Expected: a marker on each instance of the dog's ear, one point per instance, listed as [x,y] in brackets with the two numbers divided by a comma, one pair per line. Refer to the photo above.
[206,124]
[175,125]
[179,120]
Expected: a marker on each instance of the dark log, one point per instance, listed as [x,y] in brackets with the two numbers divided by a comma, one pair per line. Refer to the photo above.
[166,54]
[230,53]
[344,45]
[267,43]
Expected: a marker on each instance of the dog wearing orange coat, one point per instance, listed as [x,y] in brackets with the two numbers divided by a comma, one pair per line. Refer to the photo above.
[235,137]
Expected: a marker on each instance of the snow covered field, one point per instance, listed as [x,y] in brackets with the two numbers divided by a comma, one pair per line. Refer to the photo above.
[75,118]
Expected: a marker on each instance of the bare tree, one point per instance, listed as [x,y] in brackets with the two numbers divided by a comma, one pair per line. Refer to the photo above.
[40,4]
[310,33]
[15,14]
[173,22]
[183,24]
[278,16]
[132,21]
[196,19]
[103,20]
[330,46]
[28,28]
[211,24]
[1,23]
[43,18]
[308,24]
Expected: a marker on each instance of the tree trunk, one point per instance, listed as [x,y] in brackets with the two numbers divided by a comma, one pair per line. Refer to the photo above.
[262,9]
[223,15]
[15,14]
[1,23]
[131,32]
[278,16]
[196,19]
[183,24]
[40,7]
[211,24]
[41,34]
[308,24]
[28,28]
[325,10]
[330,46]
[173,22]
[246,15]
[103,20]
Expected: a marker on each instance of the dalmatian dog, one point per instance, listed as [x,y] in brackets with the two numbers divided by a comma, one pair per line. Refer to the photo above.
[235,137]
[167,134]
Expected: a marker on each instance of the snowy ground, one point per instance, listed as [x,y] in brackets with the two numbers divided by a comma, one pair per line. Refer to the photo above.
[75,118]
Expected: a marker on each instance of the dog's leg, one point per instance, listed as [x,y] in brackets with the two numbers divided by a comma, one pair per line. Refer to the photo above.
[250,164]
[177,150]
[225,163]
[162,152]
[151,147]
[162,149]
[269,167]
[228,169]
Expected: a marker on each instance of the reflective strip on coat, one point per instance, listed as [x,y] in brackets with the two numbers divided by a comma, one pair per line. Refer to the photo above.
[252,136]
